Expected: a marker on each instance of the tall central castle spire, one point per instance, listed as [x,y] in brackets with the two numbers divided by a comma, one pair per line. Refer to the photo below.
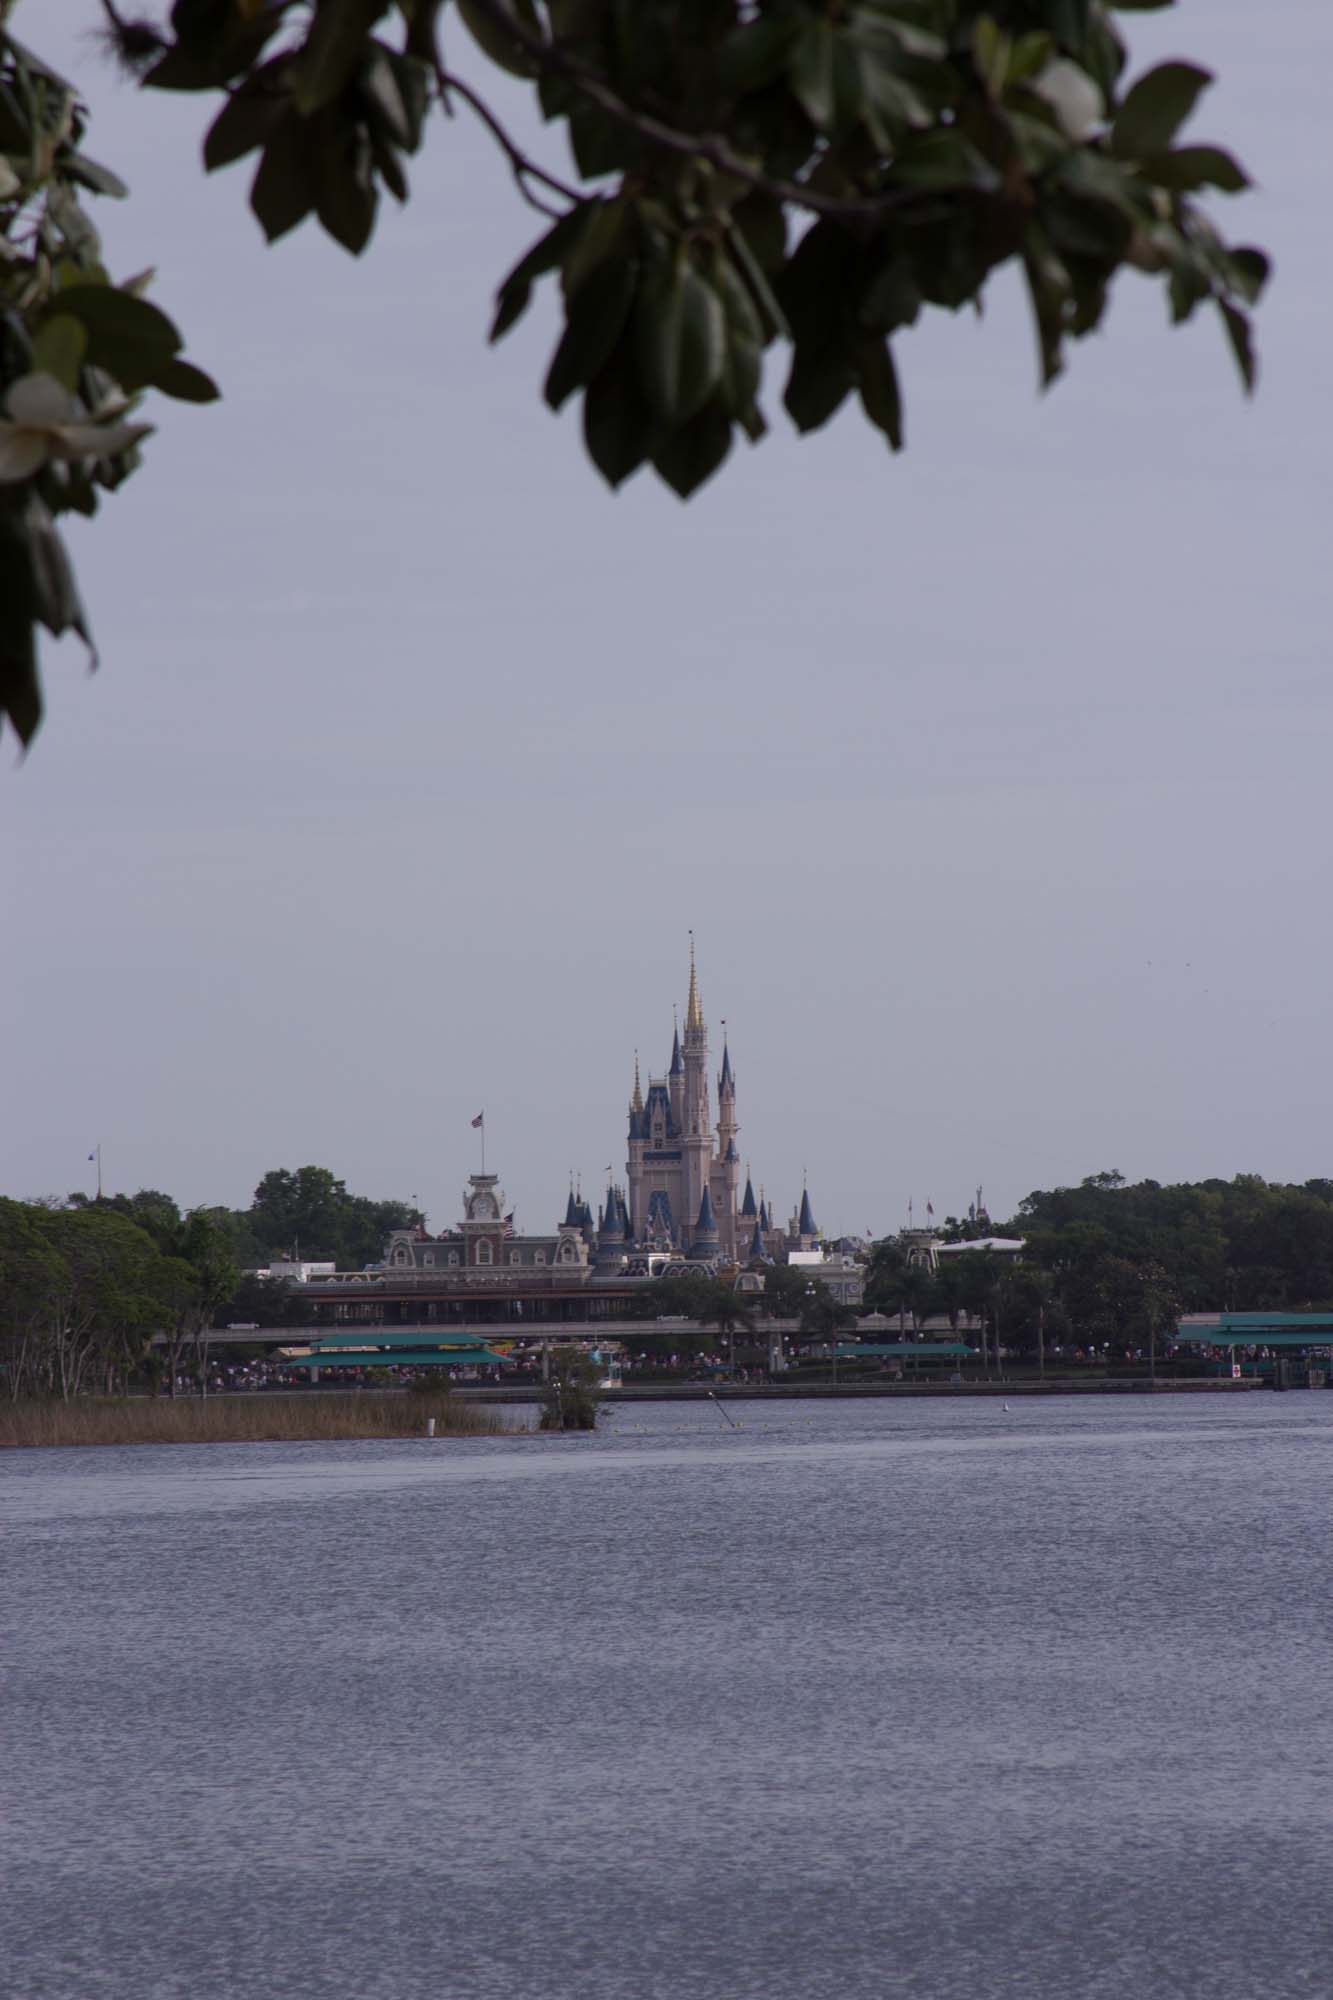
[683,1180]
[694,1013]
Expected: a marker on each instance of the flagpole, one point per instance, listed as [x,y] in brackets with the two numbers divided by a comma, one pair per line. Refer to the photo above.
[99,1170]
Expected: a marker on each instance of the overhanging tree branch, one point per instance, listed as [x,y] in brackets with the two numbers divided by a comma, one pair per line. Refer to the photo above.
[524,169]
[552,60]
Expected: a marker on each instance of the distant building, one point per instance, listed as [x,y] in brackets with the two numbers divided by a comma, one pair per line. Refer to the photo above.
[288,1271]
[681,1205]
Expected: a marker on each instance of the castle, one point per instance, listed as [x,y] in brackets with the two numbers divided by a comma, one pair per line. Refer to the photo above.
[681,1202]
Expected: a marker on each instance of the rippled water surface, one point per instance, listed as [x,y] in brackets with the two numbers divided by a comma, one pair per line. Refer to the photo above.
[858,1699]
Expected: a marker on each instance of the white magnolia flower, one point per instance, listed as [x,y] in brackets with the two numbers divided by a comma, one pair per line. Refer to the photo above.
[1073,96]
[44,423]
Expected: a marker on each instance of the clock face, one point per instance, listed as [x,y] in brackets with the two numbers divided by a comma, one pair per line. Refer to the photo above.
[483,1208]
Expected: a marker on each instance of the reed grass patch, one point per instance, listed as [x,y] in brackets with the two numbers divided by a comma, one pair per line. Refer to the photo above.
[258,1419]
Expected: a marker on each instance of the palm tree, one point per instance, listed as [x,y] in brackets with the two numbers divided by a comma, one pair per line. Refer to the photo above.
[720,1305]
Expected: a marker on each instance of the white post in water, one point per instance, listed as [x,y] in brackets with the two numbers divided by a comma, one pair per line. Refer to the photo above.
[430,1427]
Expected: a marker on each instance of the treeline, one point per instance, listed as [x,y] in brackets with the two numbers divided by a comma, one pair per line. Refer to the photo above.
[86,1284]
[83,1291]
[301,1213]
[1117,1263]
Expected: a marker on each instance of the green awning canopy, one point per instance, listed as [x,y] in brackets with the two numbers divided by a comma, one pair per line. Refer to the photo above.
[1261,1333]
[374,1357]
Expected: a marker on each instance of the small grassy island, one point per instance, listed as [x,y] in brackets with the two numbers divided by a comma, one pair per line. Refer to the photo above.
[259,1419]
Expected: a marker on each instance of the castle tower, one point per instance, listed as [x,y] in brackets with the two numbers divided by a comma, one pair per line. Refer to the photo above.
[705,1241]
[676,1081]
[804,1231]
[726,1173]
[696,1119]
[611,1232]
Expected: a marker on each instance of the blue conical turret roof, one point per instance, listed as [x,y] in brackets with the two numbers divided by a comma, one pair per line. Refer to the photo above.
[677,1063]
[571,1212]
[765,1219]
[807,1225]
[705,1230]
[748,1204]
[725,1080]
[758,1248]
[613,1221]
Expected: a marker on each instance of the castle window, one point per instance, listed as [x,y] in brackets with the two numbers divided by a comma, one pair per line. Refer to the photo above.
[453,1256]
[514,1257]
[539,1256]
[429,1257]
[485,1255]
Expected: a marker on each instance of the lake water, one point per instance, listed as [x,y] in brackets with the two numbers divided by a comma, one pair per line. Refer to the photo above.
[860,1699]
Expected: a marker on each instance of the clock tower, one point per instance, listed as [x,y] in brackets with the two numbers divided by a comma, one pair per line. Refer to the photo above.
[483,1222]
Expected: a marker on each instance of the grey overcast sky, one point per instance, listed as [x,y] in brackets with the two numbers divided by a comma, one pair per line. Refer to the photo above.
[992,779]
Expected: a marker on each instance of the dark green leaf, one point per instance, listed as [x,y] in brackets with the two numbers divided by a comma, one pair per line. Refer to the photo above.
[617,423]
[208,53]
[878,382]
[1238,333]
[608,231]
[892,299]
[771,315]
[695,451]
[742,370]
[347,195]
[824,70]
[89,174]
[284,189]
[511,301]
[127,337]
[414,88]
[333,51]
[186,383]
[822,282]
[821,378]
[1069,21]
[389,168]
[55,594]
[58,348]
[492,40]
[248,119]
[601,144]
[743,318]
[1156,107]
[20,689]
[756,54]
[1192,167]
[944,160]
[597,315]
[680,333]
[810,70]
[382,100]
[1249,272]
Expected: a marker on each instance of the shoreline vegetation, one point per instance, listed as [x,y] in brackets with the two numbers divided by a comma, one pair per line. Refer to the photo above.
[98,1420]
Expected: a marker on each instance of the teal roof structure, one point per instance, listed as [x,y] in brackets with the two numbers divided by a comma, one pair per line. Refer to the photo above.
[378,1357]
[852,1350]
